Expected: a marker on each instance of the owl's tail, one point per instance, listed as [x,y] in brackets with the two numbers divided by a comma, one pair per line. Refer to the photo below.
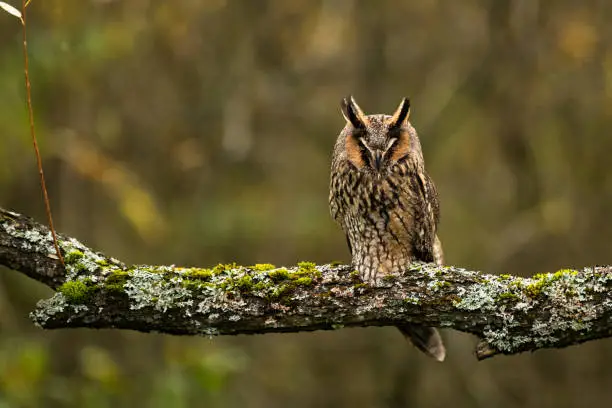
[426,339]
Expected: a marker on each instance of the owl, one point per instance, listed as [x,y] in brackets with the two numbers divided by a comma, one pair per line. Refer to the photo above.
[385,202]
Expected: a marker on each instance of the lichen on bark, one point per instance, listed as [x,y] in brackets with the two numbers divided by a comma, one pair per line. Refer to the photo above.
[509,314]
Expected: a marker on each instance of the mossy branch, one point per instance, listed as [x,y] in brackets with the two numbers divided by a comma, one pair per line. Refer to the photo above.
[509,314]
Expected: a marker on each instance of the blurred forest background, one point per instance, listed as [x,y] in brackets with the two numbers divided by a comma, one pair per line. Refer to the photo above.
[193,132]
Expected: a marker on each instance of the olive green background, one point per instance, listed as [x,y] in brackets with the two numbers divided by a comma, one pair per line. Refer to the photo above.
[196,132]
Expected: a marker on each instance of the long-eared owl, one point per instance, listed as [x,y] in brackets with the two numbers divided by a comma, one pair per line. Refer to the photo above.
[385,202]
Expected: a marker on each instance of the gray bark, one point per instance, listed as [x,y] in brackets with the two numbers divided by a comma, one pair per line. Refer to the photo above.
[508,314]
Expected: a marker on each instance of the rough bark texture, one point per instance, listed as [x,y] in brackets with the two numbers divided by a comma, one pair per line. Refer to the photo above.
[509,314]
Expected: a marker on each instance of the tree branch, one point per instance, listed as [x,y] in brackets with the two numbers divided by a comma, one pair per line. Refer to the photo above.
[508,313]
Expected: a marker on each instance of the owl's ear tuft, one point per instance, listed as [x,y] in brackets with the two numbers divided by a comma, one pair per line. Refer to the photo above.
[401,114]
[353,113]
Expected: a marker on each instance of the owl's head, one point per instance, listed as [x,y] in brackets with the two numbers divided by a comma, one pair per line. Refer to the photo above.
[377,142]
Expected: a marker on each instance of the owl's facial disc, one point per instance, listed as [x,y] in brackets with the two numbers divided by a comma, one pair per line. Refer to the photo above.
[378,158]
[375,142]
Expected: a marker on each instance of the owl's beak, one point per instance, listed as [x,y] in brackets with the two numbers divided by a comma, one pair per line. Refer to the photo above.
[378,159]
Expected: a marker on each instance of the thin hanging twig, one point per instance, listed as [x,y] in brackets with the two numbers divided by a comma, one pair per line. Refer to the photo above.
[24,5]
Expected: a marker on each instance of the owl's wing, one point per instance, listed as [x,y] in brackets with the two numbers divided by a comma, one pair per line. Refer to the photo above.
[334,209]
[348,242]
[434,213]
[438,253]
[427,247]
[334,197]
[430,194]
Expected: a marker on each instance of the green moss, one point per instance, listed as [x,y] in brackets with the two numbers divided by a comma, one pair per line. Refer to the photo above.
[307,265]
[505,276]
[535,289]
[308,269]
[389,278]
[224,286]
[304,276]
[565,272]
[195,285]
[80,267]
[262,267]
[191,285]
[482,281]
[261,280]
[287,282]
[508,296]
[102,262]
[116,281]
[278,275]
[73,256]
[360,285]
[334,264]
[222,268]
[73,259]
[75,291]
[516,284]
[200,274]
[304,281]
[117,277]
[280,291]
[542,280]
[259,287]
[217,269]
[441,284]
[244,283]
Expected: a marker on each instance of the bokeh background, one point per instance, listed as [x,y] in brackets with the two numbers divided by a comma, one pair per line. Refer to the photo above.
[193,132]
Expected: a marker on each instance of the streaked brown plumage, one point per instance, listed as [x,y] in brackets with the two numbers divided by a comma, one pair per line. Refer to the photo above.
[385,201]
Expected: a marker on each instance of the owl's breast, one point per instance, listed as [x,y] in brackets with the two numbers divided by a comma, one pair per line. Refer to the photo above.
[382,218]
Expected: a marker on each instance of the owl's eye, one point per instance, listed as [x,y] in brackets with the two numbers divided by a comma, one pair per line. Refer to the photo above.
[390,143]
[364,145]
